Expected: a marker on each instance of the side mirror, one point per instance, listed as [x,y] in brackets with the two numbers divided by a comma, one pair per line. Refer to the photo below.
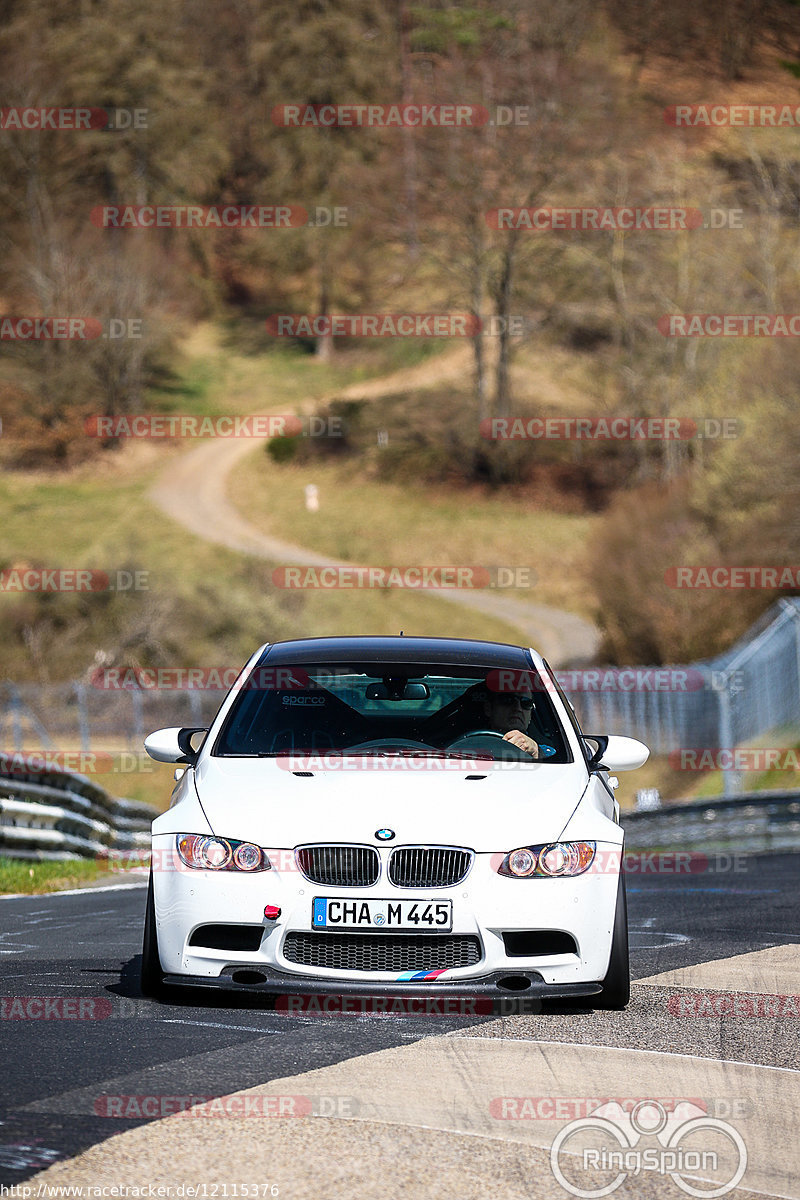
[175,745]
[617,753]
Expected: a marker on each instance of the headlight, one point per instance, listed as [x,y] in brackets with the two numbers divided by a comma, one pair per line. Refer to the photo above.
[521,862]
[554,859]
[220,854]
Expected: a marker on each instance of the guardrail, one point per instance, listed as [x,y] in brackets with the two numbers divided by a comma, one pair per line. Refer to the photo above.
[46,812]
[757,821]
[51,813]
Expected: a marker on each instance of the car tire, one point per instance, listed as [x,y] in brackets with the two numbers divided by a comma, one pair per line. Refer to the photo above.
[152,976]
[617,983]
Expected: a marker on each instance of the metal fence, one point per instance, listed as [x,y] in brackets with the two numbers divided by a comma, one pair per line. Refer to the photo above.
[732,700]
[735,699]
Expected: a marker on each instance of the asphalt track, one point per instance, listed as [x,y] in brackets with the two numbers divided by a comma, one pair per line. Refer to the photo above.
[394,1105]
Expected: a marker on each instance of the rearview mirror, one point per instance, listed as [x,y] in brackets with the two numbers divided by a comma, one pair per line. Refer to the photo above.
[407,691]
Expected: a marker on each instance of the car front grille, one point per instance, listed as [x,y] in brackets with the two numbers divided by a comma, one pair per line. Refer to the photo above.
[428,866]
[379,952]
[339,866]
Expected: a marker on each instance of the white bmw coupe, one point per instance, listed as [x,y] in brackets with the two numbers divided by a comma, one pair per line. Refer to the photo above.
[391,816]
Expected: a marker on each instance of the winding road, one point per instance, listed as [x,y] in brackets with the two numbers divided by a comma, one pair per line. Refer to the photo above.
[390,1106]
[193,491]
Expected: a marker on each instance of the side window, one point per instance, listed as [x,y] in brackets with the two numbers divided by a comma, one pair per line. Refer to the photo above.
[573,719]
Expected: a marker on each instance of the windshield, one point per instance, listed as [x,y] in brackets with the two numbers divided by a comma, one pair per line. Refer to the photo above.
[394,709]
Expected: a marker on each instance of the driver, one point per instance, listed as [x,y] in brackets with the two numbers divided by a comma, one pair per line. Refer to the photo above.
[509,713]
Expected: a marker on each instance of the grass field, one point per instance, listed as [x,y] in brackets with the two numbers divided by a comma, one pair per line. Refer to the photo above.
[369,522]
[17,876]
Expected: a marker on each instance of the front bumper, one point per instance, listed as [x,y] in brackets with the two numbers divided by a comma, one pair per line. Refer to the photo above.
[486,907]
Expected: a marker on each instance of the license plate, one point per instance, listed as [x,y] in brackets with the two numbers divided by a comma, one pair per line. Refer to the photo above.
[415,916]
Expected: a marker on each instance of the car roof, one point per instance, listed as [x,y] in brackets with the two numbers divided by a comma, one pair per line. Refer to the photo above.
[399,649]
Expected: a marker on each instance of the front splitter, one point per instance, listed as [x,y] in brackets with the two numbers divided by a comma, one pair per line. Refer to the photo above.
[487,994]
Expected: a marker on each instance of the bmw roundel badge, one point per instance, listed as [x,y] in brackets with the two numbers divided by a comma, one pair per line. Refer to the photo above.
[384,835]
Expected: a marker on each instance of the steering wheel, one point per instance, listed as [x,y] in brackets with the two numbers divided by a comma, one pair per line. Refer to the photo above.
[544,750]
[478,733]
[382,743]
[511,752]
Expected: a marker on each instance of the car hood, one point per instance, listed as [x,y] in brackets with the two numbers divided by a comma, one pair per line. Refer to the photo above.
[486,809]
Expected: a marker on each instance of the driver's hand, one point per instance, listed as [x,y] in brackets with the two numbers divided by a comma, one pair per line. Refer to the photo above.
[522,742]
